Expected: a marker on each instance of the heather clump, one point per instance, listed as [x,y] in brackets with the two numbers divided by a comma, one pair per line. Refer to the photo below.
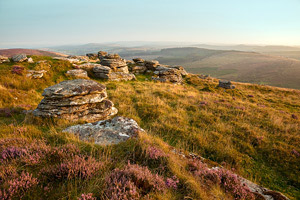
[19,156]
[7,172]
[63,152]
[29,153]
[228,180]
[17,187]
[172,182]
[17,70]
[155,153]
[76,167]
[133,182]
[88,196]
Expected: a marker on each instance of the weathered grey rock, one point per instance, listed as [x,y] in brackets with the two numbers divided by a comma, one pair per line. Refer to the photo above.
[116,76]
[80,58]
[35,73]
[71,60]
[4,59]
[113,63]
[151,64]
[166,74]
[102,69]
[112,67]
[87,66]
[226,84]
[101,54]
[92,56]
[112,131]
[74,100]
[19,58]
[138,60]
[86,112]
[78,73]
[75,87]
[138,69]
[181,69]
[262,192]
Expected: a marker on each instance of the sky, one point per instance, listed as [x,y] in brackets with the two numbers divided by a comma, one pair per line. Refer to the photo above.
[59,22]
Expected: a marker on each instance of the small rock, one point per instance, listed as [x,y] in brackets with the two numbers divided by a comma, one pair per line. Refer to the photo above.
[78,73]
[226,84]
[30,60]
[4,59]
[35,73]
[106,132]
[151,65]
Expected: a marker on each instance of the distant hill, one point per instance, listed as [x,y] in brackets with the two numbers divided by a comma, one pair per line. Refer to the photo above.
[255,48]
[11,52]
[240,66]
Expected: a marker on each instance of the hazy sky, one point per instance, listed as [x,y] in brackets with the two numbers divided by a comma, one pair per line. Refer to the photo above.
[53,22]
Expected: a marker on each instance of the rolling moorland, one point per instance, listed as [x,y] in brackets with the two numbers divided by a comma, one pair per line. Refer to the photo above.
[252,130]
[239,66]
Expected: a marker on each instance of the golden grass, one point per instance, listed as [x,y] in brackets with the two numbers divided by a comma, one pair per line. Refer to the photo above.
[254,135]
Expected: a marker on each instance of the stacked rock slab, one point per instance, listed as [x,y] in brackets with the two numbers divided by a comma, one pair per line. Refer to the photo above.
[107,132]
[74,100]
[113,67]
[180,69]
[86,66]
[92,56]
[151,64]
[167,74]
[226,84]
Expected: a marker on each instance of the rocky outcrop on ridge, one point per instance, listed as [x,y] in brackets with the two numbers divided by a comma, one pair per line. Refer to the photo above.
[92,56]
[226,84]
[113,68]
[166,74]
[74,100]
[107,132]
[162,73]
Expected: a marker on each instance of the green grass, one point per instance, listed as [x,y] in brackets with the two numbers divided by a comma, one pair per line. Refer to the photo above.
[254,135]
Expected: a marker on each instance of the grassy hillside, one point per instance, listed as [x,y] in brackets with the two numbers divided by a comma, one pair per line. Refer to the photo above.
[287,54]
[235,65]
[12,52]
[252,129]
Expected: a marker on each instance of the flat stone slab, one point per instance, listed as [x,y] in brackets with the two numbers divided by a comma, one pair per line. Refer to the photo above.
[75,87]
[106,132]
[78,73]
